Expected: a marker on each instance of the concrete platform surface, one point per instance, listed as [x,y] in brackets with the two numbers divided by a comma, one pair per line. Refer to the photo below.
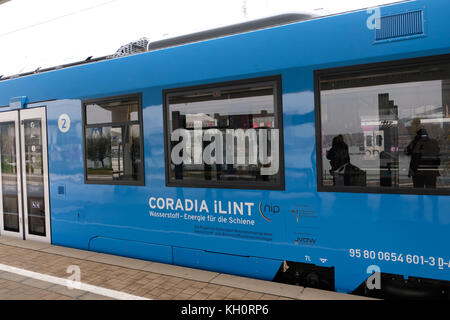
[41,271]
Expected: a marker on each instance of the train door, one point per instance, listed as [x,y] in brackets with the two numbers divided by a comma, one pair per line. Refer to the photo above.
[24,196]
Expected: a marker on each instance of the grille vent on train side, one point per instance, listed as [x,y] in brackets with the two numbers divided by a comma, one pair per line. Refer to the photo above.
[400,26]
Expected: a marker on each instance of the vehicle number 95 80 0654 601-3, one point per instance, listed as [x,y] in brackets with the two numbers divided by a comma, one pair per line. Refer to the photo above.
[431,261]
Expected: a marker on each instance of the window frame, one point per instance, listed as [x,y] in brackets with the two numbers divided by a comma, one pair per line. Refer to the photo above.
[141,175]
[394,65]
[241,185]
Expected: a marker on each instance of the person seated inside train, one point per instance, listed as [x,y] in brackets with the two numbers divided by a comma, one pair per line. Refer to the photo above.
[425,160]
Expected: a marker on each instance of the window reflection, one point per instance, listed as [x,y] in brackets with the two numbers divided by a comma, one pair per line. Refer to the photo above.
[9,176]
[123,110]
[425,160]
[395,126]
[34,170]
[113,150]
[249,108]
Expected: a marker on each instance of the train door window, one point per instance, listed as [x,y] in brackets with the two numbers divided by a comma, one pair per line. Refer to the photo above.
[225,135]
[385,128]
[113,141]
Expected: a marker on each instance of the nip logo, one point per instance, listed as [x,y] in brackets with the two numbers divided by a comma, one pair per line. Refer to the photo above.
[259,147]
[268,208]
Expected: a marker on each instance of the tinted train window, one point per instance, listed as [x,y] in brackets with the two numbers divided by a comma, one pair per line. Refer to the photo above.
[113,141]
[225,135]
[386,129]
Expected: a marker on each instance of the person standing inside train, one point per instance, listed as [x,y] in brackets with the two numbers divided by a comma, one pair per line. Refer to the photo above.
[338,155]
[425,160]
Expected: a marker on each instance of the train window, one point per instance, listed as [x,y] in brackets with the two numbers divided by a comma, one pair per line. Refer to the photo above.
[113,141]
[225,136]
[112,111]
[385,128]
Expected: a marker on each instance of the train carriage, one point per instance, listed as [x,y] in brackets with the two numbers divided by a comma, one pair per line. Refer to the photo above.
[308,150]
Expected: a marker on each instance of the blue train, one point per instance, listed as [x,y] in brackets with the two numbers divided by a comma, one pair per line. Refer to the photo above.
[301,149]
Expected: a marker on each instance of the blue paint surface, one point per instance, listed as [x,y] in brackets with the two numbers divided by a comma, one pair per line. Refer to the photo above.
[115,219]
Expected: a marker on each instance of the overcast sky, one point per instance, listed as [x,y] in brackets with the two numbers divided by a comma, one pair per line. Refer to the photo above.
[43,33]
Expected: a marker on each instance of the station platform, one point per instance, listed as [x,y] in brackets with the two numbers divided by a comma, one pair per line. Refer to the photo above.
[41,271]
